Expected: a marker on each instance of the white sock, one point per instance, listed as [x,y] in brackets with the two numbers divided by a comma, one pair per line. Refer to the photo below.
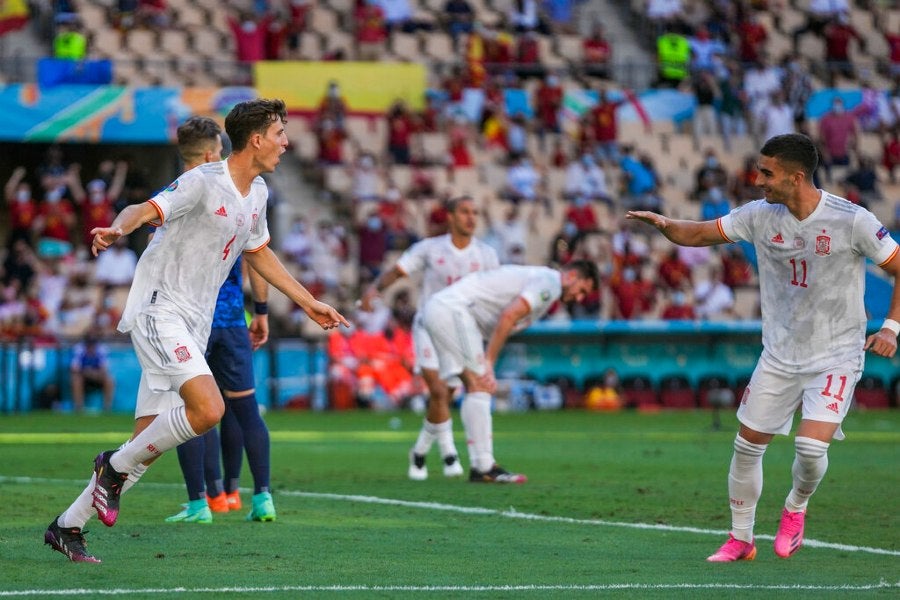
[166,431]
[80,511]
[445,438]
[134,477]
[476,418]
[745,481]
[426,438]
[810,464]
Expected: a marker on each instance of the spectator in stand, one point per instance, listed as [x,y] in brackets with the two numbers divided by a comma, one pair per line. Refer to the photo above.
[510,236]
[732,106]
[798,88]
[868,111]
[517,137]
[54,225]
[703,50]
[153,14]
[458,19]
[892,39]
[547,102]
[679,308]
[298,13]
[20,266]
[582,214]
[713,299]
[736,269]
[890,153]
[634,297]
[596,54]
[524,182]
[249,35]
[585,178]
[706,91]
[602,127]
[524,16]
[528,61]
[276,35]
[70,42]
[664,15]
[297,245]
[760,81]
[838,35]
[401,126]
[639,182]
[333,106]
[89,370]
[79,304]
[819,14]
[330,140]
[837,137]
[328,256]
[672,272]
[752,37]
[714,204]
[709,174]
[54,172]
[862,182]
[673,56]
[21,207]
[373,246]
[115,268]
[777,117]
[398,16]
[371,30]
[367,180]
[458,149]
[97,204]
[560,15]
[564,247]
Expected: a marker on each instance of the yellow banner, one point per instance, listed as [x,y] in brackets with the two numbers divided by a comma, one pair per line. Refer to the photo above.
[366,87]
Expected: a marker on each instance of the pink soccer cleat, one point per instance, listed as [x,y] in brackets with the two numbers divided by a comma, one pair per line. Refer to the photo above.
[733,550]
[790,533]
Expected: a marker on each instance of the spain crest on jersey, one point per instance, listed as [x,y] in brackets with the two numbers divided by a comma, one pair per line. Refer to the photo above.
[823,245]
[182,354]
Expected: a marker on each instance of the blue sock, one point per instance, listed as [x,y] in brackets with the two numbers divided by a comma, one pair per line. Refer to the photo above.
[212,469]
[256,439]
[190,457]
[232,448]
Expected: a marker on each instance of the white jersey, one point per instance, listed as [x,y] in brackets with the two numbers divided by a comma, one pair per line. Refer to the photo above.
[204,225]
[811,277]
[485,294]
[442,263]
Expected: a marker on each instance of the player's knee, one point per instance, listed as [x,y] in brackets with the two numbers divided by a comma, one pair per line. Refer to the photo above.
[809,448]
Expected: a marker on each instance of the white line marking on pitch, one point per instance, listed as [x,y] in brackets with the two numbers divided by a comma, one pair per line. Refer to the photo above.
[456,588]
[512,513]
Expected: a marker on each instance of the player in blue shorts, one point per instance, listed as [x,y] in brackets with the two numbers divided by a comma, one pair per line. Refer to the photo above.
[229,354]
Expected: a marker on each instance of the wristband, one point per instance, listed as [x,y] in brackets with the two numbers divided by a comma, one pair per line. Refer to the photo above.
[891,324]
[261,308]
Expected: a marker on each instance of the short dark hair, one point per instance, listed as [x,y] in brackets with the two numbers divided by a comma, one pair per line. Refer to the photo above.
[252,116]
[794,148]
[452,204]
[195,136]
[586,269]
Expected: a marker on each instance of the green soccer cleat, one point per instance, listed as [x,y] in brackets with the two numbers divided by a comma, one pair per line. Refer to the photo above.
[195,511]
[263,508]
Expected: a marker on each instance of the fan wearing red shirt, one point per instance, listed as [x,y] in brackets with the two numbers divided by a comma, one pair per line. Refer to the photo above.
[55,217]
[602,120]
[582,214]
[547,100]
[596,54]
[96,205]
[331,140]
[23,210]
[400,126]
[837,47]
[673,272]
[752,36]
[371,31]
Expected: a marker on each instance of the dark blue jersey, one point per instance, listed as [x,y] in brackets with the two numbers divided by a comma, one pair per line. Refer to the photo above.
[230,303]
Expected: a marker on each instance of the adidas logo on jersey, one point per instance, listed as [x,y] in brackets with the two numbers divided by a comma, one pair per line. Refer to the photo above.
[833,407]
[221,212]
[778,239]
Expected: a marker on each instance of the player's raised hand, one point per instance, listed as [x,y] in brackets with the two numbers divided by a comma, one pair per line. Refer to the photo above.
[326,316]
[651,218]
[104,238]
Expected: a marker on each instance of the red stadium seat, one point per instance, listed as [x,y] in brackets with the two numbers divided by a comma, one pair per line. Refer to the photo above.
[676,392]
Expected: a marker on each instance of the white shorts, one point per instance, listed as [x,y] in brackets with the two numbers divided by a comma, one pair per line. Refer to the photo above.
[426,356]
[169,357]
[456,338]
[773,396]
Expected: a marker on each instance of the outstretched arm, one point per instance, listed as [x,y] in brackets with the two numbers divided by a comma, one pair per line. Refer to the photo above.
[384,281]
[128,220]
[270,268]
[682,232]
[884,341]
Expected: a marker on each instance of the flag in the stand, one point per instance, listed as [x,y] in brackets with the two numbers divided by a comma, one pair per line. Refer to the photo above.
[13,15]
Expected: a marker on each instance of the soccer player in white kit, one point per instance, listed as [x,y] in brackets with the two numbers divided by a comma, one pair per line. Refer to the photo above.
[486,308]
[811,248]
[441,260]
[206,218]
